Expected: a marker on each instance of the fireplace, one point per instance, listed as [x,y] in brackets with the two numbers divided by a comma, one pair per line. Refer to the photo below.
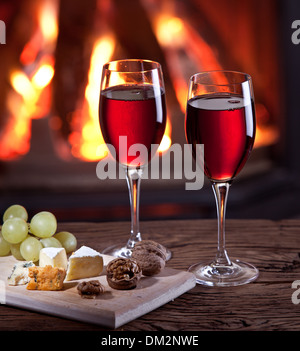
[49,83]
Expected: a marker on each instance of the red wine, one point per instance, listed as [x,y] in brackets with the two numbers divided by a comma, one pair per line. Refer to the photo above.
[137,112]
[225,124]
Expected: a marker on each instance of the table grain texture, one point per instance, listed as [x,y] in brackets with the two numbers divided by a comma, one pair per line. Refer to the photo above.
[264,305]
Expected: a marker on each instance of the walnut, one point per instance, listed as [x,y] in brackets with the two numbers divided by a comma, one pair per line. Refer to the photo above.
[90,289]
[150,255]
[123,273]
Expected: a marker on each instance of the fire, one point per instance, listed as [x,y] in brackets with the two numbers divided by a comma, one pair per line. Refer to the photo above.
[265,135]
[48,21]
[169,30]
[166,140]
[24,103]
[86,139]
[43,76]
[174,35]
[30,95]
[22,85]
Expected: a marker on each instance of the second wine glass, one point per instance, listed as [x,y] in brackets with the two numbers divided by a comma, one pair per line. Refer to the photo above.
[132,113]
[220,114]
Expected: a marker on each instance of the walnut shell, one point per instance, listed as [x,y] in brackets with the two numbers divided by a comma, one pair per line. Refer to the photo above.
[123,273]
[90,289]
[150,255]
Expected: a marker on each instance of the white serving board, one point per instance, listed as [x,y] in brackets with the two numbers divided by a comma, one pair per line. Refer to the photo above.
[111,309]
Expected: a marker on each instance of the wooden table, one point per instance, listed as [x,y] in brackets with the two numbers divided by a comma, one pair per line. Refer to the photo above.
[264,305]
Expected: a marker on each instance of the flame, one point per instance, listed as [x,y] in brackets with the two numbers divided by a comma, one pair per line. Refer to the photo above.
[15,136]
[24,103]
[32,90]
[265,133]
[176,35]
[43,76]
[48,21]
[22,85]
[166,140]
[44,39]
[169,30]
[30,95]
[87,140]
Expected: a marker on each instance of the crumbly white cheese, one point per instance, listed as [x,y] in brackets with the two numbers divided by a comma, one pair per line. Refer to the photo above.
[19,274]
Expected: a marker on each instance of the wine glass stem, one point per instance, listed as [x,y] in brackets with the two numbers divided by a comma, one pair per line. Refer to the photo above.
[221,192]
[134,176]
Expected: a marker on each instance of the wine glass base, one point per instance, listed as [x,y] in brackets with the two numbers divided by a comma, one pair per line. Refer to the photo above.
[117,251]
[123,251]
[211,274]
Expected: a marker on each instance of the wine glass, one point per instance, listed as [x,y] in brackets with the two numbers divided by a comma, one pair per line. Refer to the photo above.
[132,113]
[220,114]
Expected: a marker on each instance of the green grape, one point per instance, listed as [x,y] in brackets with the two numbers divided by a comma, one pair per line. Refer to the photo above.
[15,251]
[30,249]
[67,240]
[50,242]
[14,230]
[43,224]
[15,211]
[4,246]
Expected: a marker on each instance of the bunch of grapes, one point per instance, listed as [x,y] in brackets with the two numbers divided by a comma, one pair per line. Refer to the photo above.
[24,239]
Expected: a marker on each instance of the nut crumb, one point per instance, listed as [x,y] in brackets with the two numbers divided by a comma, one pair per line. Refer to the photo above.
[90,289]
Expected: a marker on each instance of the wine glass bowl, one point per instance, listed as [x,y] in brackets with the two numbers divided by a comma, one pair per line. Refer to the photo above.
[220,114]
[132,114]
[132,108]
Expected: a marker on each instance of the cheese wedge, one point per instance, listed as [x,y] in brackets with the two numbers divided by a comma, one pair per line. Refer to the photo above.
[19,274]
[84,263]
[46,278]
[53,256]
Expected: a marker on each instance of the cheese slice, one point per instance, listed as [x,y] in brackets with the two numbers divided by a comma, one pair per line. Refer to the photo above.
[53,256]
[19,274]
[46,278]
[84,263]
